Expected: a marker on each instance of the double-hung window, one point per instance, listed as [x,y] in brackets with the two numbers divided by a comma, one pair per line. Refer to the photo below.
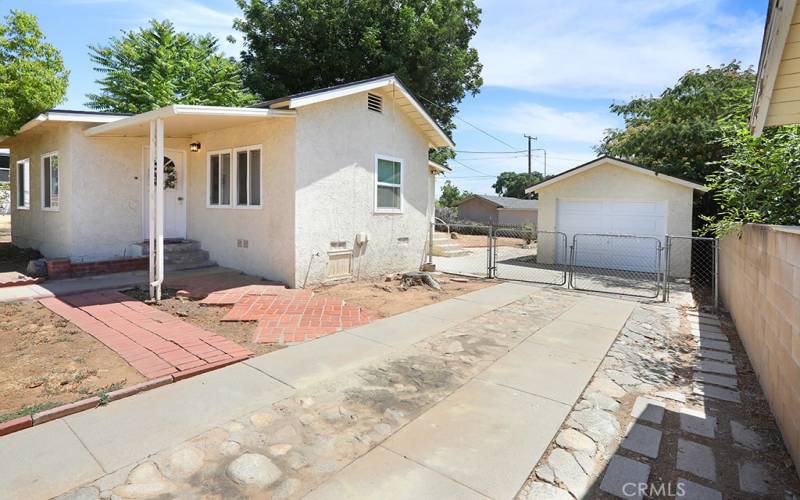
[219,179]
[50,181]
[248,176]
[24,184]
[389,184]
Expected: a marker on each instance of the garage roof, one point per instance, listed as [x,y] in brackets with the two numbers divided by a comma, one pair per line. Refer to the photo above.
[506,202]
[619,162]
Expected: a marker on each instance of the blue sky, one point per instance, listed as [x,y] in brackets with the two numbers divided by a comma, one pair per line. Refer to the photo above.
[551,68]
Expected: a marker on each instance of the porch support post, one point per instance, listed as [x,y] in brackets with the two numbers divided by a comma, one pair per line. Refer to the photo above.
[151,208]
[159,206]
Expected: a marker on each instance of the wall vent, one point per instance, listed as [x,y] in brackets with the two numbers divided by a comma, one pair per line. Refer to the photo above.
[375,102]
[339,264]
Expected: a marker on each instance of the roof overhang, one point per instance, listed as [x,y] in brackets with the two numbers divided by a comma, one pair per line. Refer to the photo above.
[777,96]
[438,168]
[618,163]
[184,121]
[403,98]
[56,115]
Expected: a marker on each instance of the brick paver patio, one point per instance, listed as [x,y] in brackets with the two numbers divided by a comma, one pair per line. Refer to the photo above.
[288,315]
[154,342]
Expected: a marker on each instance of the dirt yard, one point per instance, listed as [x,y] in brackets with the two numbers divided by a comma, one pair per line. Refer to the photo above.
[480,241]
[46,361]
[387,298]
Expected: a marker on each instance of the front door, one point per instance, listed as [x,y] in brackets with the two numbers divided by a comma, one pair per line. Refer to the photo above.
[174,194]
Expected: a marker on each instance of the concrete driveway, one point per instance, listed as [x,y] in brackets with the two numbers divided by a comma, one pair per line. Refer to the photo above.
[454,400]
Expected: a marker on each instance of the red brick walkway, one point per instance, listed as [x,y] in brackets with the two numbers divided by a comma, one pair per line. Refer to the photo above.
[288,315]
[152,341]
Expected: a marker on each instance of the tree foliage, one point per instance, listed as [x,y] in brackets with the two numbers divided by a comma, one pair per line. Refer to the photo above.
[513,184]
[298,45]
[680,132]
[156,66]
[32,73]
[452,195]
[758,181]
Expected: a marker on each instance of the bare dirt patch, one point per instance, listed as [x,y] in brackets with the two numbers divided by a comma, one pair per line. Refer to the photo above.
[207,317]
[481,241]
[387,298]
[46,361]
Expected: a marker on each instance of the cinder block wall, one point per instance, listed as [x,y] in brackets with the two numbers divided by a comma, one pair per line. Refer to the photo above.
[760,286]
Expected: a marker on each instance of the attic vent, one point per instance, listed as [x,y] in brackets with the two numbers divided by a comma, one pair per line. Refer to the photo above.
[375,103]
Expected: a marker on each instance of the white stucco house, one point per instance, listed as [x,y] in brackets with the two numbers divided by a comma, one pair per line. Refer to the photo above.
[498,210]
[319,185]
[611,196]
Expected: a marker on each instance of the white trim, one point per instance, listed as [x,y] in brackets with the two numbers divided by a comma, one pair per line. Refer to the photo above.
[185,110]
[617,163]
[45,184]
[235,177]
[219,152]
[26,187]
[377,209]
[438,168]
[775,34]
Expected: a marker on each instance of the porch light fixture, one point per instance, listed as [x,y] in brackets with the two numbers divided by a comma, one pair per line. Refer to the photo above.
[195,147]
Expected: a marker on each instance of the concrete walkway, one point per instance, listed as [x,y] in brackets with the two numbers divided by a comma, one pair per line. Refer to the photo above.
[479,441]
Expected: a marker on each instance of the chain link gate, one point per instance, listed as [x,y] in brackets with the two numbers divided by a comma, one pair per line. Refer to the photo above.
[621,264]
[524,254]
[461,248]
[693,268]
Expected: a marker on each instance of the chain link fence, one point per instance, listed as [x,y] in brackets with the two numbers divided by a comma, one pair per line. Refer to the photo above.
[524,254]
[461,248]
[621,264]
[692,268]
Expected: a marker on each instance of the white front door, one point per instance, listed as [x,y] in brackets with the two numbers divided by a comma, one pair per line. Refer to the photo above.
[608,217]
[174,194]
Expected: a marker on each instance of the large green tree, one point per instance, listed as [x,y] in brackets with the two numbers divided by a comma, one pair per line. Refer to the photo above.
[452,195]
[156,65]
[513,184]
[32,73]
[298,45]
[681,131]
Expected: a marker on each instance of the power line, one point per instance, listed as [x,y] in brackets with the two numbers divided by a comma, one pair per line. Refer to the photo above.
[473,169]
[490,152]
[470,124]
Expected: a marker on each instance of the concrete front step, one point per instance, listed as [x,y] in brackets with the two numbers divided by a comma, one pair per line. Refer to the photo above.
[172,246]
[454,253]
[185,257]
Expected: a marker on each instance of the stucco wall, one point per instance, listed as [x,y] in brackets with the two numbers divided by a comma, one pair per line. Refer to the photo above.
[335,187]
[517,217]
[760,286]
[270,229]
[47,231]
[611,182]
[478,210]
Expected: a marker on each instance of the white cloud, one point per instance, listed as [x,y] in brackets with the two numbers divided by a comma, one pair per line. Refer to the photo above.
[552,124]
[608,48]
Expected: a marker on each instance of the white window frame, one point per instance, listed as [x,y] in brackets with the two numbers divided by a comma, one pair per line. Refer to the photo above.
[235,177]
[379,210]
[46,182]
[219,152]
[26,164]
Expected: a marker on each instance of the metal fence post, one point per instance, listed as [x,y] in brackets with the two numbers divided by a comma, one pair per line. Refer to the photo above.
[490,252]
[668,242]
[716,274]
[430,242]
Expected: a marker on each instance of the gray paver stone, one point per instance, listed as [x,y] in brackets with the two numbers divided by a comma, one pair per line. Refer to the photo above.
[712,378]
[643,440]
[623,477]
[574,440]
[254,469]
[544,491]
[691,490]
[715,355]
[698,422]
[714,392]
[753,478]
[697,459]
[746,437]
[569,472]
[711,366]
[717,345]
[648,409]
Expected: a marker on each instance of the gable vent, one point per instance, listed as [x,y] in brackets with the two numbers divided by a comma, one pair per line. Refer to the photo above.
[375,103]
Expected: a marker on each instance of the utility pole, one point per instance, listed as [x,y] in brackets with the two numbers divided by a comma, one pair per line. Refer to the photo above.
[530,138]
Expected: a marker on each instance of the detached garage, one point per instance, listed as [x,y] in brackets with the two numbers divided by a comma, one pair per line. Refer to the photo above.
[609,196]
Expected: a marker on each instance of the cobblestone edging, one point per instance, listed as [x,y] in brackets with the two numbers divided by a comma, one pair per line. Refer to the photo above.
[666,415]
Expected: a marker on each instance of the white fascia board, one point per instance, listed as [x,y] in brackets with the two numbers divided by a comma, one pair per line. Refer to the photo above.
[780,23]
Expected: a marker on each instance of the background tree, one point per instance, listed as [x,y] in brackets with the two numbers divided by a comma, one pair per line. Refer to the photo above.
[513,184]
[297,45]
[32,73]
[758,181]
[156,66]
[681,132]
[452,195]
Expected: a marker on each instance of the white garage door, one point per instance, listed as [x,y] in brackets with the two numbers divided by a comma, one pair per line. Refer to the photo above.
[639,218]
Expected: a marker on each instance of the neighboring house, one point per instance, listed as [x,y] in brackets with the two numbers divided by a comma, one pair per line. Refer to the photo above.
[5,160]
[612,196]
[777,97]
[498,210]
[323,184]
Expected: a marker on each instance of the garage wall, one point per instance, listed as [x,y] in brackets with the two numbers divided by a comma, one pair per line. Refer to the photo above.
[610,182]
[478,210]
[517,217]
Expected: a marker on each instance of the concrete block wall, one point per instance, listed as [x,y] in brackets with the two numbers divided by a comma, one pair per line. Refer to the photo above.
[760,286]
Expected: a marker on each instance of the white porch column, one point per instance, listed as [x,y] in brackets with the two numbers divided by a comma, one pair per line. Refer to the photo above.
[156,229]
[151,208]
